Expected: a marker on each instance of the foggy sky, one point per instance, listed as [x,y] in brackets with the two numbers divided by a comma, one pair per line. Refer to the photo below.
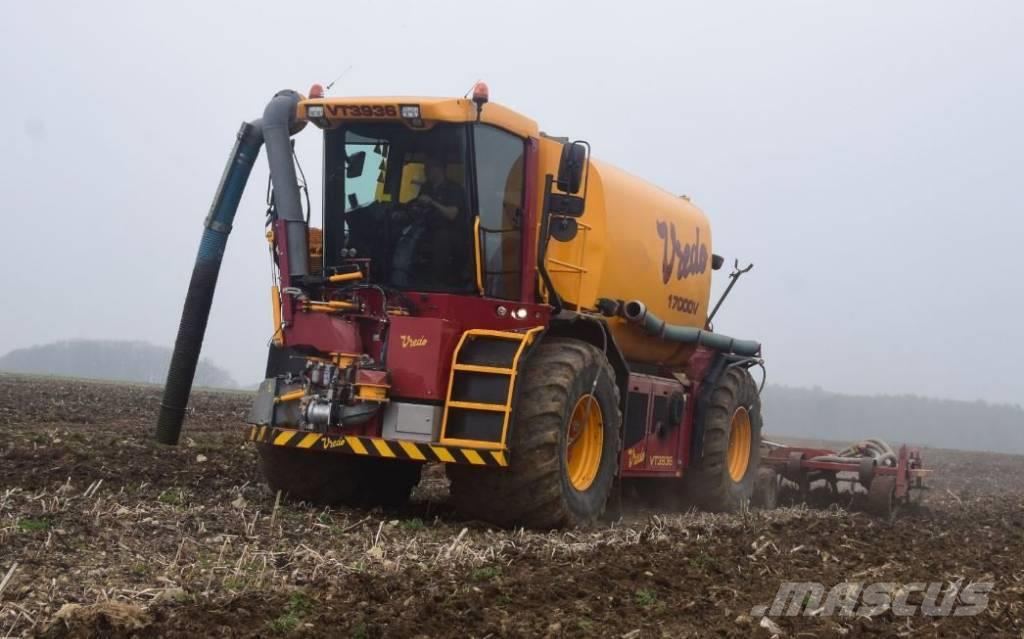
[865,156]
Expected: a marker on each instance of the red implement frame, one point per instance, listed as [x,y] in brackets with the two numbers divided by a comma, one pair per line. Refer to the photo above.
[888,484]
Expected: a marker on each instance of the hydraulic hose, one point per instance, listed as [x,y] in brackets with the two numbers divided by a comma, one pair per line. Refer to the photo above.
[637,313]
[878,449]
[204,280]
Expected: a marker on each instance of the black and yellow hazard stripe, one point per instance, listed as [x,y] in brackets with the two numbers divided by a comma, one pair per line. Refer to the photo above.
[377,447]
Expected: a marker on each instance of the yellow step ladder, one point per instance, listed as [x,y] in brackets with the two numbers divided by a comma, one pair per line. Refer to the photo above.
[478,405]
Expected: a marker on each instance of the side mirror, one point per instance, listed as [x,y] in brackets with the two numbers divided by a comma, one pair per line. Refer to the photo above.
[354,164]
[570,167]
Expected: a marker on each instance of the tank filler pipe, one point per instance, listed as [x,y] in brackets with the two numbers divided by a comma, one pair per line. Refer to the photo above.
[276,128]
[637,313]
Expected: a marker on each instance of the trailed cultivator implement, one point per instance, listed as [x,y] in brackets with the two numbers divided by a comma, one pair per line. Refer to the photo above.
[889,478]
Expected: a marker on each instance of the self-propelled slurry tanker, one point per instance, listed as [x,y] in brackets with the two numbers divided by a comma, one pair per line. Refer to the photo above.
[485,296]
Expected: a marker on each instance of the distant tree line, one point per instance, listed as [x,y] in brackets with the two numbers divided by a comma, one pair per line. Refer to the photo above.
[108,359]
[941,423]
[810,413]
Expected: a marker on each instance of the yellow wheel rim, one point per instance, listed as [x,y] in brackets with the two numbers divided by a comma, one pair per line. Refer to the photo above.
[584,442]
[738,455]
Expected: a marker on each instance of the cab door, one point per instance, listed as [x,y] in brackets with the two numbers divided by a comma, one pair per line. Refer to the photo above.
[499,188]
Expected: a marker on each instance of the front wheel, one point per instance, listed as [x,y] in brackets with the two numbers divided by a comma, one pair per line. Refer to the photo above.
[563,445]
[337,479]
[328,478]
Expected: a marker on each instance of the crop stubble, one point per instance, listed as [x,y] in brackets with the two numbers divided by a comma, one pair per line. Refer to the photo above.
[111,534]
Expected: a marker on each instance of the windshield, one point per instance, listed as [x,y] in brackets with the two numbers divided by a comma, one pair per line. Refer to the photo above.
[398,197]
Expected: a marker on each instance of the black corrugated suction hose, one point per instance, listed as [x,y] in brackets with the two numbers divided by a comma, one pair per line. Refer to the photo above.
[204,280]
[275,129]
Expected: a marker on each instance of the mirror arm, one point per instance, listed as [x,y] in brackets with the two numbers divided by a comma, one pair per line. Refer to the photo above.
[542,250]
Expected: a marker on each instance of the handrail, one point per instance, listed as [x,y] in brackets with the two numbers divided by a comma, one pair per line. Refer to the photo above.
[569,267]
[476,250]
[480,267]
[573,267]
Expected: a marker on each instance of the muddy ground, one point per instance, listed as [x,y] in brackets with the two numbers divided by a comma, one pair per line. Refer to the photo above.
[110,534]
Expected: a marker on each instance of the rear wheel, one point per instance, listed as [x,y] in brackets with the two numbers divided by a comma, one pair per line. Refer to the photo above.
[725,476]
[337,479]
[563,445]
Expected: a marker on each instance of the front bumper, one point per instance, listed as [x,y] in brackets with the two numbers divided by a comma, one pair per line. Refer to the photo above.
[377,447]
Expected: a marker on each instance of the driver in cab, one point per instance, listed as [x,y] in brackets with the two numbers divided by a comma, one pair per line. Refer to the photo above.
[443,201]
[440,194]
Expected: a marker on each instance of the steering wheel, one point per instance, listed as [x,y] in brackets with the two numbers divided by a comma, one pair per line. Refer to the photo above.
[411,240]
[404,214]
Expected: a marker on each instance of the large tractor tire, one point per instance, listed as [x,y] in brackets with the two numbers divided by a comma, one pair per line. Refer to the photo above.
[724,478]
[337,479]
[563,447]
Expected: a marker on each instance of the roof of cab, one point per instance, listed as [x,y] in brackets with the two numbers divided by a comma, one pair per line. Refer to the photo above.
[437,109]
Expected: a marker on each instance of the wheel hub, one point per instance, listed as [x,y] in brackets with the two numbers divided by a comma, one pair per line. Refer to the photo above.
[738,454]
[584,442]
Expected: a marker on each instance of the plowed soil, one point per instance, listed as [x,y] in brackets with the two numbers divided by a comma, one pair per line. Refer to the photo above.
[105,533]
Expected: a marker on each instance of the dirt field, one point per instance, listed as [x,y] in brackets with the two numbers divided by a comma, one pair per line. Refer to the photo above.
[110,534]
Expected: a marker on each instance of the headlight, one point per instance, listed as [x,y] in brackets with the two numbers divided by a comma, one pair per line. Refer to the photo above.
[410,111]
[315,111]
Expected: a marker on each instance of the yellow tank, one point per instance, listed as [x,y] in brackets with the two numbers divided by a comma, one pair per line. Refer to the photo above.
[635,242]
